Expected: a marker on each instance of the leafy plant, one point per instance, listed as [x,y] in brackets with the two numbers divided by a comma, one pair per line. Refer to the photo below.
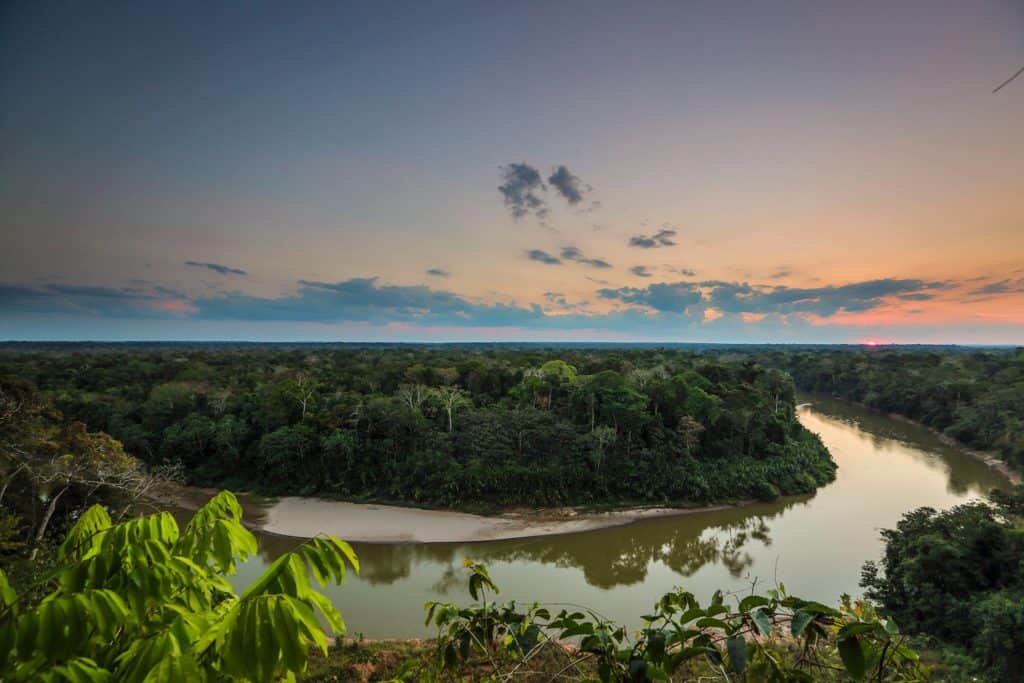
[144,600]
[770,637]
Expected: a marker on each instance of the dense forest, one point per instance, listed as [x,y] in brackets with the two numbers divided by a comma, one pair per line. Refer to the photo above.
[447,426]
[974,396]
[142,598]
[957,576]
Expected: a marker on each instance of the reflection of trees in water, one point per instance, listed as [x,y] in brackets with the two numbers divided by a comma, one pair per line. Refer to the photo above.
[607,557]
[879,431]
[622,555]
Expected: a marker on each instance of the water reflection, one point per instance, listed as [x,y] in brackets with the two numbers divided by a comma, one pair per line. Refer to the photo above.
[607,557]
[815,544]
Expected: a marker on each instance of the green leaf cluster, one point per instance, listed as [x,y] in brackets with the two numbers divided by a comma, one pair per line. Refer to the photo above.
[143,600]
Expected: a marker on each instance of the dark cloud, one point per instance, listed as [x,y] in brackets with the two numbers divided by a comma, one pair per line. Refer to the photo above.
[542,256]
[780,273]
[520,186]
[115,302]
[663,296]
[364,300]
[216,267]
[437,272]
[556,298]
[640,271]
[568,185]
[1001,287]
[661,310]
[741,297]
[662,238]
[574,254]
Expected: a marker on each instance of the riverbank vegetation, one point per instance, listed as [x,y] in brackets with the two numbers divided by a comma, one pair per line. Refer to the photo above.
[957,576]
[473,429]
[144,600]
[974,396]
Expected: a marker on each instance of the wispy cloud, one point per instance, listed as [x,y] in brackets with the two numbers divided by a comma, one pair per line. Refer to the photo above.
[657,309]
[1001,287]
[216,267]
[741,297]
[662,238]
[640,271]
[575,254]
[542,256]
[437,272]
[113,302]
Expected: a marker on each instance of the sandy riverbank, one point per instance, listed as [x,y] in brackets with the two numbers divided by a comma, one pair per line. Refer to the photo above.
[371,523]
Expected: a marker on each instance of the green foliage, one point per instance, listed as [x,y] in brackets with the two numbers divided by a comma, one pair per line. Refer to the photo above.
[469,427]
[958,576]
[771,637]
[144,601]
[974,396]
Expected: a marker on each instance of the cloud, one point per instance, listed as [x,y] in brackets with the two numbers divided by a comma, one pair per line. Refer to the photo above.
[542,256]
[556,298]
[662,238]
[1001,287]
[365,300]
[574,254]
[437,272]
[522,190]
[569,185]
[823,301]
[640,271]
[216,267]
[710,310]
[739,298]
[520,186]
[780,273]
[662,296]
[115,302]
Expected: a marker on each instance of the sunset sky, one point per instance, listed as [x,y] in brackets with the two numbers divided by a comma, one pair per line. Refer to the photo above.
[732,172]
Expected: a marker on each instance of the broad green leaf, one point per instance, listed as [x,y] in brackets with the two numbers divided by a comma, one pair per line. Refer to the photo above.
[736,646]
[851,651]
[799,622]
[761,620]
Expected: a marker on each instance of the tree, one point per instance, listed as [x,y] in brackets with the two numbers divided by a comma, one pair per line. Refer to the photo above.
[145,601]
[603,437]
[451,399]
[91,460]
[303,390]
[413,395]
[46,461]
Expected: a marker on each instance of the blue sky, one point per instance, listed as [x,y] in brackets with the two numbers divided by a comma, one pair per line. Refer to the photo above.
[670,171]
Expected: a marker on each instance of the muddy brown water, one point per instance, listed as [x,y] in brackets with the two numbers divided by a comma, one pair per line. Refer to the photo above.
[814,544]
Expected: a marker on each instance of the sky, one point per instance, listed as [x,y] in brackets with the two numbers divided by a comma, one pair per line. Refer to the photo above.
[658,171]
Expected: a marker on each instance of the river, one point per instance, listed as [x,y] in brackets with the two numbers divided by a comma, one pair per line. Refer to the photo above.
[814,544]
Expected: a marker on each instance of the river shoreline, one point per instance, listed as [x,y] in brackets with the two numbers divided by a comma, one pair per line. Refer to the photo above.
[371,523]
[987,457]
[304,517]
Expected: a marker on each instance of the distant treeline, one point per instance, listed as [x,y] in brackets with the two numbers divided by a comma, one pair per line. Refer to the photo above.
[448,426]
[976,397]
